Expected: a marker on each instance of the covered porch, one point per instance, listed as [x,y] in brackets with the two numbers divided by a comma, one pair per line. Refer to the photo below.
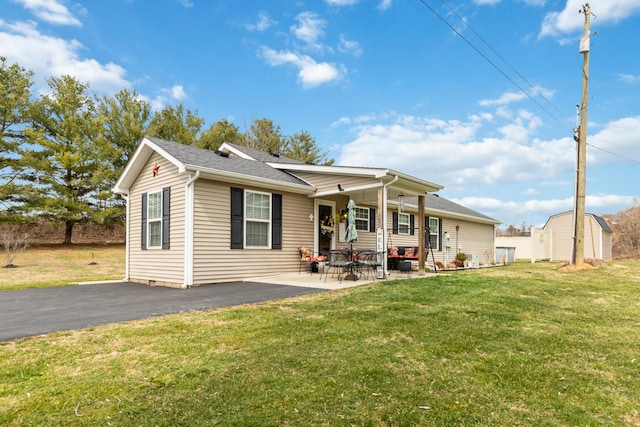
[379,195]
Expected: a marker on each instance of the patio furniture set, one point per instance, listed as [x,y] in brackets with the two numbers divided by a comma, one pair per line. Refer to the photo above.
[348,263]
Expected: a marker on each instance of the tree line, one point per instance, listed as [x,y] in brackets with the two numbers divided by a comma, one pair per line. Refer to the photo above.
[61,151]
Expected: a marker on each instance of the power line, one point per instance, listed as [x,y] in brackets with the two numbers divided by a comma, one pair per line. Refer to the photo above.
[464,21]
[493,64]
[612,153]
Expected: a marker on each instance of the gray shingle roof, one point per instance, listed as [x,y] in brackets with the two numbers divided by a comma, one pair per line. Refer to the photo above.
[207,159]
[437,203]
[264,156]
[603,223]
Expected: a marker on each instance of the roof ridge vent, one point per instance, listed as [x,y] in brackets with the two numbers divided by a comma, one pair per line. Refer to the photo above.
[222,153]
[274,154]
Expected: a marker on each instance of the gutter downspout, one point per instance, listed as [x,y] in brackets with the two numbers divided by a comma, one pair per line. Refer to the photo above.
[188,230]
[127,232]
[384,222]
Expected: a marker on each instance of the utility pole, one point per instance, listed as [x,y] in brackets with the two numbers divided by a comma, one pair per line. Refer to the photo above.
[581,176]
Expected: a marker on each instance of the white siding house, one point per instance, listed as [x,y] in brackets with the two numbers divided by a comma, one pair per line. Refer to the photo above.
[196,216]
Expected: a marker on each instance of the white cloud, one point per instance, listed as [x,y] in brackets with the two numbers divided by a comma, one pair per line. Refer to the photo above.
[505,98]
[178,93]
[511,97]
[447,146]
[486,2]
[619,136]
[341,2]
[569,20]
[628,78]
[310,72]
[51,56]
[264,23]
[384,5]
[309,29]
[349,46]
[50,11]
[186,3]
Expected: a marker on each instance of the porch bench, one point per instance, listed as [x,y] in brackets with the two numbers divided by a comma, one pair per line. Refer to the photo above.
[402,253]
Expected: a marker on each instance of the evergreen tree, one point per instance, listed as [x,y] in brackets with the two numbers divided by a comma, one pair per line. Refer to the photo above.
[63,154]
[264,136]
[176,124]
[15,86]
[126,119]
[302,146]
[219,132]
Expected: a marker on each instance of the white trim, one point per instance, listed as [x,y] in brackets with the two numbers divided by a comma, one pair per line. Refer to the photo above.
[229,149]
[408,223]
[269,221]
[346,190]
[246,180]
[188,229]
[127,247]
[148,224]
[316,223]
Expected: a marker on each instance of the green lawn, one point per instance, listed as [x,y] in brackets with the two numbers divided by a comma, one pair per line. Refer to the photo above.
[526,345]
[61,265]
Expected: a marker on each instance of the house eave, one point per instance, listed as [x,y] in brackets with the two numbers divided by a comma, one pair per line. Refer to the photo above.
[462,217]
[242,179]
[137,161]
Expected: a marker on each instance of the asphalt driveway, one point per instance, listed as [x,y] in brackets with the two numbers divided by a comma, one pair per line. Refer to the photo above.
[39,311]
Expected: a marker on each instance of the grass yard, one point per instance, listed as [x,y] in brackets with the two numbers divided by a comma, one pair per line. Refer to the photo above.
[61,265]
[522,345]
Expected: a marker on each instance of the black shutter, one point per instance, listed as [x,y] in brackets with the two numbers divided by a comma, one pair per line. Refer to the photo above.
[276,221]
[143,236]
[427,233]
[439,234]
[412,224]
[166,210]
[372,220]
[237,212]
[394,226]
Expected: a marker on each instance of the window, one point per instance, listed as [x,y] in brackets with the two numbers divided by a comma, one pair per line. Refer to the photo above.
[434,233]
[155,215]
[154,220]
[257,219]
[362,219]
[403,223]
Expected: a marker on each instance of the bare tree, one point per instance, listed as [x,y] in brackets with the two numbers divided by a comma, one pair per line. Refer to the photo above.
[626,232]
[14,243]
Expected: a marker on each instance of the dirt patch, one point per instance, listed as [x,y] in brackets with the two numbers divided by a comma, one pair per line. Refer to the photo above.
[574,267]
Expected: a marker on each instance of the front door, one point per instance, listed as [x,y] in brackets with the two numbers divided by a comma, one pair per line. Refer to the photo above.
[326,227]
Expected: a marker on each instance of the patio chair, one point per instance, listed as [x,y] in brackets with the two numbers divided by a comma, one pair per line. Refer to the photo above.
[338,262]
[307,256]
[370,261]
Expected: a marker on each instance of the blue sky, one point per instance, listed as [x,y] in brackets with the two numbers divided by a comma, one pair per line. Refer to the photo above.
[384,83]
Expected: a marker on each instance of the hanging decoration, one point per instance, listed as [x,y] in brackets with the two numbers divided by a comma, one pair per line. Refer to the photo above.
[327,225]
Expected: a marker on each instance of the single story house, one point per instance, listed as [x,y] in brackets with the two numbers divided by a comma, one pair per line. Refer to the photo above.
[554,241]
[196,216]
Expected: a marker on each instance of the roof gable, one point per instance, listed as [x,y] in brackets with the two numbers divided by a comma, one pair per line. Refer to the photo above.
[601,221]
[215,164]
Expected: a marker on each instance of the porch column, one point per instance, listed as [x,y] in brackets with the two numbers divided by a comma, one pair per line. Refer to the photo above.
[421,235]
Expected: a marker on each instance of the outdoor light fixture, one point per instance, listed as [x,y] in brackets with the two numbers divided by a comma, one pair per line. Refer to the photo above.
[310,217]
[340,188]
[401,202]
